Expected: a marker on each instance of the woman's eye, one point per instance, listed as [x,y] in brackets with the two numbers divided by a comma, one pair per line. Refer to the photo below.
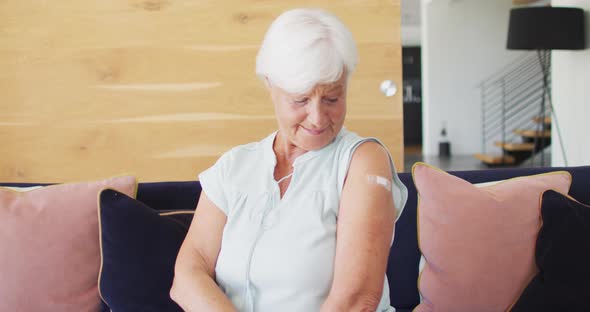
[331,100]
[301,101]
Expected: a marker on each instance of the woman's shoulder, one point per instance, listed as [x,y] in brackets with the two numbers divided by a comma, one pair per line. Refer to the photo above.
[355,148]
[348,141]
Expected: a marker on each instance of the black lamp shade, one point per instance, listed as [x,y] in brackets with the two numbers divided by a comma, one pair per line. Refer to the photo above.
[546,28]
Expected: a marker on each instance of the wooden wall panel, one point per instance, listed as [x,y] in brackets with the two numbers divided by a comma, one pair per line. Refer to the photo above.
[160,89]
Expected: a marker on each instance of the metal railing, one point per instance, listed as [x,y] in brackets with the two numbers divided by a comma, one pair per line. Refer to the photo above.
[510,100]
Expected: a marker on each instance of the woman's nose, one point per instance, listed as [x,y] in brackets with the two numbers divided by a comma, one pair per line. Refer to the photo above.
[316,114]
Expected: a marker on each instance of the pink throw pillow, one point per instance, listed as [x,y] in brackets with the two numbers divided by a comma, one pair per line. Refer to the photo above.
[49,246]
[478,242]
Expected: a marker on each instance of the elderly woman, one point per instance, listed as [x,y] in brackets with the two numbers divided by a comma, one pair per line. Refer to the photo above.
[302,220]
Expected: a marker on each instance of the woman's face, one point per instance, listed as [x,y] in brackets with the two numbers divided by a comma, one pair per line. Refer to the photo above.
[311,121]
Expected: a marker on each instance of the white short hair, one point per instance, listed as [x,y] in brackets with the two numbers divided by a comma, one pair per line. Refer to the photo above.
[306,47]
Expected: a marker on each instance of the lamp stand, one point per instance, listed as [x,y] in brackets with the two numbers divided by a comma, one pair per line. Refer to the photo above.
[545,62]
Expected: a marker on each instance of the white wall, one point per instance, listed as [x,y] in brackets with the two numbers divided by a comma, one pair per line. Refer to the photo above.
[571,98]
[463,42]
[410,14]
[411,36]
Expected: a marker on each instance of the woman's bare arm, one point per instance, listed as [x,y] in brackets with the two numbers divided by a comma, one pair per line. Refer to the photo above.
[194,287]
[365,228]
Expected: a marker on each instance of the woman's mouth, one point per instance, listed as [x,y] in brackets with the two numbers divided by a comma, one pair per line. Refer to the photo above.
[314,131]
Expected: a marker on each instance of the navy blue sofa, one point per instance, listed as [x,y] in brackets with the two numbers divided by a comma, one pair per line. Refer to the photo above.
[402,270]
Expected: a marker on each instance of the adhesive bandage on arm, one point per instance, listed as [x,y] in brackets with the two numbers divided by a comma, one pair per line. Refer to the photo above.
[379,180]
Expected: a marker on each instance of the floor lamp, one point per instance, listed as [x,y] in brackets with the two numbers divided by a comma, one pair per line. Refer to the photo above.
[544,29]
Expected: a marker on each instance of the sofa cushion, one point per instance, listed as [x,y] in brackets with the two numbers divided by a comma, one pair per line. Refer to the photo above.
[139,248]
[422,262]
[562,255]
[50,257]
[478,242]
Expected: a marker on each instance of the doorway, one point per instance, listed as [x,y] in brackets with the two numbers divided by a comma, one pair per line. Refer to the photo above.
[412,99]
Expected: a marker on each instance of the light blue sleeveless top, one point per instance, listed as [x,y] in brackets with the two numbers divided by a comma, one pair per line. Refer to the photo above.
[277,254]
